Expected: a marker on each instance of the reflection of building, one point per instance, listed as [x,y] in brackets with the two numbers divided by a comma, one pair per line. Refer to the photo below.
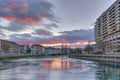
[107,72]
[107,30]
[9,47]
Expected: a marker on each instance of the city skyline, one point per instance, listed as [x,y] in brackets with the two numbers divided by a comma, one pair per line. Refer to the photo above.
[43,21]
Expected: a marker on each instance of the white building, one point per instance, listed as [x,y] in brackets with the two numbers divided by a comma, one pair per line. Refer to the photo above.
[38,49]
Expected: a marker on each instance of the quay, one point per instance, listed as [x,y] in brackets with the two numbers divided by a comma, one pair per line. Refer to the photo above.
[16,56]
[96,57]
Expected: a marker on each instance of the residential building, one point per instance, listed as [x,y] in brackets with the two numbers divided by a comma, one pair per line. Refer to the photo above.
[38,49]
[9,47]
[107,31]
[14,48]
[23,49]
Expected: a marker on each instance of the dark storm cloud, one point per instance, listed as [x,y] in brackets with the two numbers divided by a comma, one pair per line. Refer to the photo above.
[25,35]
[26,11]
[20,37]
[43,32]
[14,27]
[51,26]
[27,39]
[78,35]
[70,36]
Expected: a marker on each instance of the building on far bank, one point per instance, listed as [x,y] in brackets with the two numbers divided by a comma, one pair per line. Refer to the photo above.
[52,50]
[14,48]
[107,31]
[38,49]
[9,47]
[22,48]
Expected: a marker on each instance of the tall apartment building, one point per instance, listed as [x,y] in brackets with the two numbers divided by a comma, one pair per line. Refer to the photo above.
[107,30]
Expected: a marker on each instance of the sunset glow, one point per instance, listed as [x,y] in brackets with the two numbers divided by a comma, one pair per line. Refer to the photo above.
[56,64]
[59,64]
[77,44]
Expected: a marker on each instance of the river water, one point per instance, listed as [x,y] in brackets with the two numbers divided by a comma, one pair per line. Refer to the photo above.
[61,68]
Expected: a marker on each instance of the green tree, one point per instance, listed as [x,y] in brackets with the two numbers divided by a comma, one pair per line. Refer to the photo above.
[28,50]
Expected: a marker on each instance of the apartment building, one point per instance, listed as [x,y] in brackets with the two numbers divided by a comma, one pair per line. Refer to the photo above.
[38,49]
[107,31]
[9,47]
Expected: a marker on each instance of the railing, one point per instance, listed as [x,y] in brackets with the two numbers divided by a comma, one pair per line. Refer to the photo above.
[108,58]
[14,54]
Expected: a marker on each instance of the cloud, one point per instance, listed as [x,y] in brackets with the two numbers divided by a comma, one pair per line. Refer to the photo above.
[14,27]
[43,32]
[20,37]
[2,36]
[25,35]
[82,34]
[51,26]
[26,11]
[46,36]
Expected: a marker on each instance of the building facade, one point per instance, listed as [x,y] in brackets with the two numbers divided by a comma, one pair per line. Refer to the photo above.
[9,47]
[107,31]
[38,49]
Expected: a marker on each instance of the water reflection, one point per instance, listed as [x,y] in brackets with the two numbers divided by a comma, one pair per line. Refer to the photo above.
[58,64]
[57,69]
[108,72]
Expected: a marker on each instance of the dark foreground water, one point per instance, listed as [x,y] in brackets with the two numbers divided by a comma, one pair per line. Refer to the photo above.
[57,69]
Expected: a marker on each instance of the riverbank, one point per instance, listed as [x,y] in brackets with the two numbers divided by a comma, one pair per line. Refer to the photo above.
[17,56]
[21,56]
[92,57]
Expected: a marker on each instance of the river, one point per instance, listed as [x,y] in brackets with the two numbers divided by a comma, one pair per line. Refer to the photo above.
[61,68]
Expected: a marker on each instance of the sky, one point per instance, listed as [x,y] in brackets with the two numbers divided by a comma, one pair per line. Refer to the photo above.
[50,21]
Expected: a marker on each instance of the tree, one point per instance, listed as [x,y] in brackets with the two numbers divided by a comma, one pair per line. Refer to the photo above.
[28,50]
[88,49]
[77,51]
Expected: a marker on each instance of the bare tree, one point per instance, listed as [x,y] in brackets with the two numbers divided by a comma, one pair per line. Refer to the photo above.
[88,49]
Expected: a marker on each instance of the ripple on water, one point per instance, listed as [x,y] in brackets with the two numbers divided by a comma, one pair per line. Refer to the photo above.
[39,69]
